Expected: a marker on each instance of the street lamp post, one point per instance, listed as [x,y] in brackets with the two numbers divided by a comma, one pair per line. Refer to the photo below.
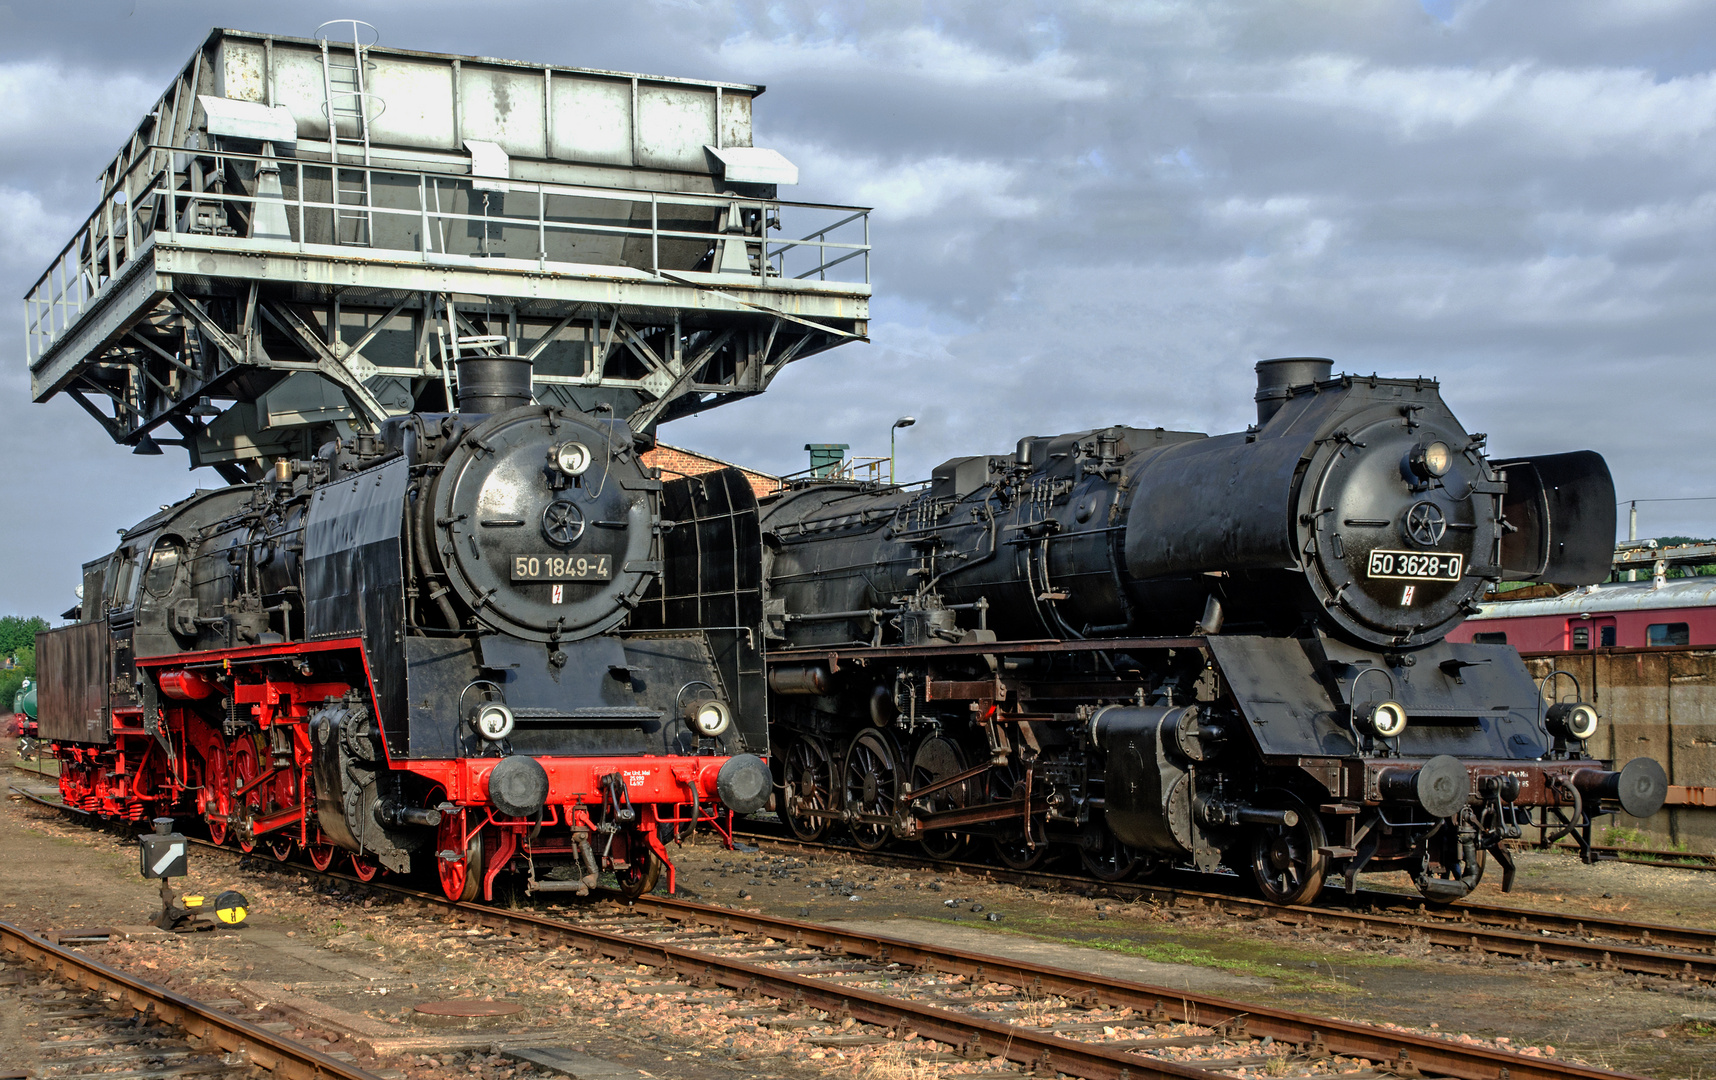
[904,421]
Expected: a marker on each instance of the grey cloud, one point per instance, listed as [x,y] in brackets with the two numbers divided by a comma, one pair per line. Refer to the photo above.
[1088,213]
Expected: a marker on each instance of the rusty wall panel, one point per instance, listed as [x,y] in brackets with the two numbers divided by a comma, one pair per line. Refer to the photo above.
[1657,703]
[1692,746]
[71,680]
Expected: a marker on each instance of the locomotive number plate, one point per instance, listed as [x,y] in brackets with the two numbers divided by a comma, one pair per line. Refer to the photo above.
[1414,566]
[562,567]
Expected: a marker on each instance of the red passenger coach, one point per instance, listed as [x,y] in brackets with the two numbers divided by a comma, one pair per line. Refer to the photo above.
[1627,615]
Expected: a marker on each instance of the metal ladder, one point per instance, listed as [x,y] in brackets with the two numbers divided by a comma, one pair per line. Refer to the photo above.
[345,96]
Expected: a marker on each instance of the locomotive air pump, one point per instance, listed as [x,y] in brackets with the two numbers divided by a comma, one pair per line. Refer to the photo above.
[163,855]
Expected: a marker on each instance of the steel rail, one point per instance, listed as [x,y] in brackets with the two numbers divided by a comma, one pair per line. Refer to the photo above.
[1392,1048]
[972,1035]
[284,1058]
[1038,1049]
[1662,949]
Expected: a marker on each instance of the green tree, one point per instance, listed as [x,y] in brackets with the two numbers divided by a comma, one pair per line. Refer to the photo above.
[11,680]
[18,631]
[18,641]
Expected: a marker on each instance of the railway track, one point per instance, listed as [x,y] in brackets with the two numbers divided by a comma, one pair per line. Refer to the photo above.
[113,1023]
[1041,1018]
[1677,860]
[1674,952]
[1044,1019]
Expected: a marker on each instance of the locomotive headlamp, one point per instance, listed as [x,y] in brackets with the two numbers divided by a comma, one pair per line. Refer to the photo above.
[493,721]
[710,717]
[1388,719]
[572,458]
[1430,460]
[1572,719]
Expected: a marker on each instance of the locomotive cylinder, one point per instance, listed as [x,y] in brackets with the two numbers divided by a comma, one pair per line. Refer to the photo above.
[1147,791]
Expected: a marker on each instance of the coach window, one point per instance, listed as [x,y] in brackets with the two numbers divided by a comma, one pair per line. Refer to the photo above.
[1606,637]
[1495,637]
[1668,633]
[1581,637]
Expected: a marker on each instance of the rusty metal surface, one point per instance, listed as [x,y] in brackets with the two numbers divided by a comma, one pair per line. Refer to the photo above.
[468,1007]
[1656,703]
[286,1059]
[71,662]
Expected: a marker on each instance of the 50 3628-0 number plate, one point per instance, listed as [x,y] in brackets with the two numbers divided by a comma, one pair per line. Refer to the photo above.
[562,567]
[1414,566]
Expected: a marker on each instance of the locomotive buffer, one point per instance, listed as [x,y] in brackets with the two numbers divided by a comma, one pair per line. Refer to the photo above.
[278,257]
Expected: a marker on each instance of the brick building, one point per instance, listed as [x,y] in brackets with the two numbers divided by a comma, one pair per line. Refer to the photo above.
[675,461]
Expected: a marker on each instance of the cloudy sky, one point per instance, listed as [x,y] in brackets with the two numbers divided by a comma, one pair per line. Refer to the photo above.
[1086,213]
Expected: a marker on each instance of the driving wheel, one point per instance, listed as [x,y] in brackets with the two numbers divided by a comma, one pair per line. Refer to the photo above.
[321,854]
[246,768]
[1015,850]
[809,772]
[1113,861]
[1286,860]
[872,787]
[937,759]
[218,789]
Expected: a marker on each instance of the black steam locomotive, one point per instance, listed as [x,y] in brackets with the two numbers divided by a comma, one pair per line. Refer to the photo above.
[449,640]
[1156,646]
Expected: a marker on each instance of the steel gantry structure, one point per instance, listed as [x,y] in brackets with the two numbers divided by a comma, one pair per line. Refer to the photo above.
[305,233]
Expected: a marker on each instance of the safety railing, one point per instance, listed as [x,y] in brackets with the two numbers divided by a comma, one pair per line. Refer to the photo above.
[861,470]
[308,206]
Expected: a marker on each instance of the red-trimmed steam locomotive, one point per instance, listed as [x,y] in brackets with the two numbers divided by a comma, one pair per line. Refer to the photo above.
[446,640]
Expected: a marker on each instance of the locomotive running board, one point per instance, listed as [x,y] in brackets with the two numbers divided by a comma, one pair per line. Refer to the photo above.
[992,648]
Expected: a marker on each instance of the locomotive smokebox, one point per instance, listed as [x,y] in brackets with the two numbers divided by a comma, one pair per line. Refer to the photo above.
[1274,378]
[493,384]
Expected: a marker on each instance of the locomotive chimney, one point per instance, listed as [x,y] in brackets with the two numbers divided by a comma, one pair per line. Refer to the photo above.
[492,384]
[1274,377]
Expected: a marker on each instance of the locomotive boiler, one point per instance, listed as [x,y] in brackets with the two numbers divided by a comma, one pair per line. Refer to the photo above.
[440,643]
[1158,647]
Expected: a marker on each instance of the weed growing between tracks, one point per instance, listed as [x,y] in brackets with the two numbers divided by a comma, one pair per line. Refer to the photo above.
[1295,968]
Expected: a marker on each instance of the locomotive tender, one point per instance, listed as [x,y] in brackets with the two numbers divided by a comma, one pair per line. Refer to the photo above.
[432,642]
[1158,646]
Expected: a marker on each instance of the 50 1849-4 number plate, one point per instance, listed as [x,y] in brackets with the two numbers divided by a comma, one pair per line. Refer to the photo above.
[1414,566]
[562,567]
